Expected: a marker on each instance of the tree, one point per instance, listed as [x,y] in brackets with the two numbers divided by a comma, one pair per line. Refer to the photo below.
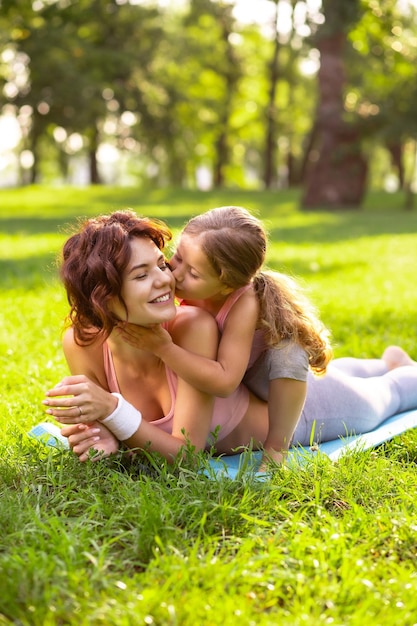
[77,51]
[270,133]
[336,174]
[226,64]
[384,41]
[291,95]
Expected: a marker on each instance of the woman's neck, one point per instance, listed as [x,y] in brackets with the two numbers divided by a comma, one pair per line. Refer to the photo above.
[122,351]
[141,378]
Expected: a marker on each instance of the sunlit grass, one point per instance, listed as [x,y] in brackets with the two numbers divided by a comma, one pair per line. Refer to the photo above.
[126,543]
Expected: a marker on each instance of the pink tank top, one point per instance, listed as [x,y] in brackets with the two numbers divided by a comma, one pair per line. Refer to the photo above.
[227,412]
[258,342]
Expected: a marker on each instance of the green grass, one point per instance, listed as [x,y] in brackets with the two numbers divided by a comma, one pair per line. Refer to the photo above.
[125,542]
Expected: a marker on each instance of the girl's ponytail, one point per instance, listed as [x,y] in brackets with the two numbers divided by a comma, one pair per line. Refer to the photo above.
[286,313]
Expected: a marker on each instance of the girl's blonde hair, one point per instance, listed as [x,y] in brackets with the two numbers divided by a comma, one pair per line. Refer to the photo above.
[234,242]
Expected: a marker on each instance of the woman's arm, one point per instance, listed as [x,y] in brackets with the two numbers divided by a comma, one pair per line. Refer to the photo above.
[220,376]
[84,396]
[80,400]
[95,436]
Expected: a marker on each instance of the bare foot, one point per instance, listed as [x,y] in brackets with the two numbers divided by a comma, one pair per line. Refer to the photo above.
[394,356]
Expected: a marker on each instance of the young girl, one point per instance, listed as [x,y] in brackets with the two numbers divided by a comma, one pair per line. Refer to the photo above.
[217,267]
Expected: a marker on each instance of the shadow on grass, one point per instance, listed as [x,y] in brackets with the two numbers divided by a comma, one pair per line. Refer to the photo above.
[37,225]
[344,227]
[28,273]
[67,224]
[35,210]
[336,227]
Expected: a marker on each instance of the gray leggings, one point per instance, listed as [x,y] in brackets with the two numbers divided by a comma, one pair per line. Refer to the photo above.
[354,396]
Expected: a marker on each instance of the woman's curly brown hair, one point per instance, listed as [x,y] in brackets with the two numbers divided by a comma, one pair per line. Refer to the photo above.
[92,266]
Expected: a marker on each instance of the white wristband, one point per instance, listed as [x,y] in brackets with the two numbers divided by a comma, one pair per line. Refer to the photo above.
[125,419]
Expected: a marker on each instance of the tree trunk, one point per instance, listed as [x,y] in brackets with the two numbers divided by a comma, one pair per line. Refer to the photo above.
[294,170]
[221,160]
[408,182]
[271,112]
[63,164]
[31,176]
[337,171]
[396,151]
[95,178]
[231,76]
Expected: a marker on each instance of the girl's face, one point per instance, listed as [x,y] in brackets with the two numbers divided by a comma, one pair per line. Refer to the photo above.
[148,286]
[195,278]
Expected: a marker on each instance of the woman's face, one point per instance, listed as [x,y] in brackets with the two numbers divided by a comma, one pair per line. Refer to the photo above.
[148,286]
[195,278]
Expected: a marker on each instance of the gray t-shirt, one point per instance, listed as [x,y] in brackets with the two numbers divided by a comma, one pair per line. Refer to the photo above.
[286,360]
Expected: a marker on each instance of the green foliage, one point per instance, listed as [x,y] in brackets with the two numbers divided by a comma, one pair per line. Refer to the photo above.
[340,17]
[129,541]
[195,80]
[81,59]
[384,39]
[180,86]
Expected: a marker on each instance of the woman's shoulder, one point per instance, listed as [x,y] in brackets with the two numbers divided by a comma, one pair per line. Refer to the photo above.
[69,343]
[192,315]
[68,338]
[85,359]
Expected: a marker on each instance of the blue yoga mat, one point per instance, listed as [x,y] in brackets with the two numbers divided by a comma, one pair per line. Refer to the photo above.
[50,434]
[231,465]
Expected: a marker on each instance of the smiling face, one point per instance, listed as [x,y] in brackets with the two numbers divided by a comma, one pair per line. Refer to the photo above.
[194,276]
[148,286]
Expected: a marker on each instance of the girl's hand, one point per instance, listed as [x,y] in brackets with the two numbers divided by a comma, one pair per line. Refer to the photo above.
[77,400]
[150,338]
[82,438]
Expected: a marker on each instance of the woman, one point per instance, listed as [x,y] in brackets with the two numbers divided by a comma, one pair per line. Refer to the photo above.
[114,270]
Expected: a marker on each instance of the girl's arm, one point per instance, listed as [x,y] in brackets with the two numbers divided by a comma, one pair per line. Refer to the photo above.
[285,404]
[86,390]
[219,377]
[193,408]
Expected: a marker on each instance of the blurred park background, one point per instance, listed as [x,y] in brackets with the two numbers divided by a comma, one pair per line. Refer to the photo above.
[211,94]
[171,108]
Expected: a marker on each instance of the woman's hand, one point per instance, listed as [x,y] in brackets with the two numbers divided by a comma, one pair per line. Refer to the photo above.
[150,338]
[77,400]
[95,436]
